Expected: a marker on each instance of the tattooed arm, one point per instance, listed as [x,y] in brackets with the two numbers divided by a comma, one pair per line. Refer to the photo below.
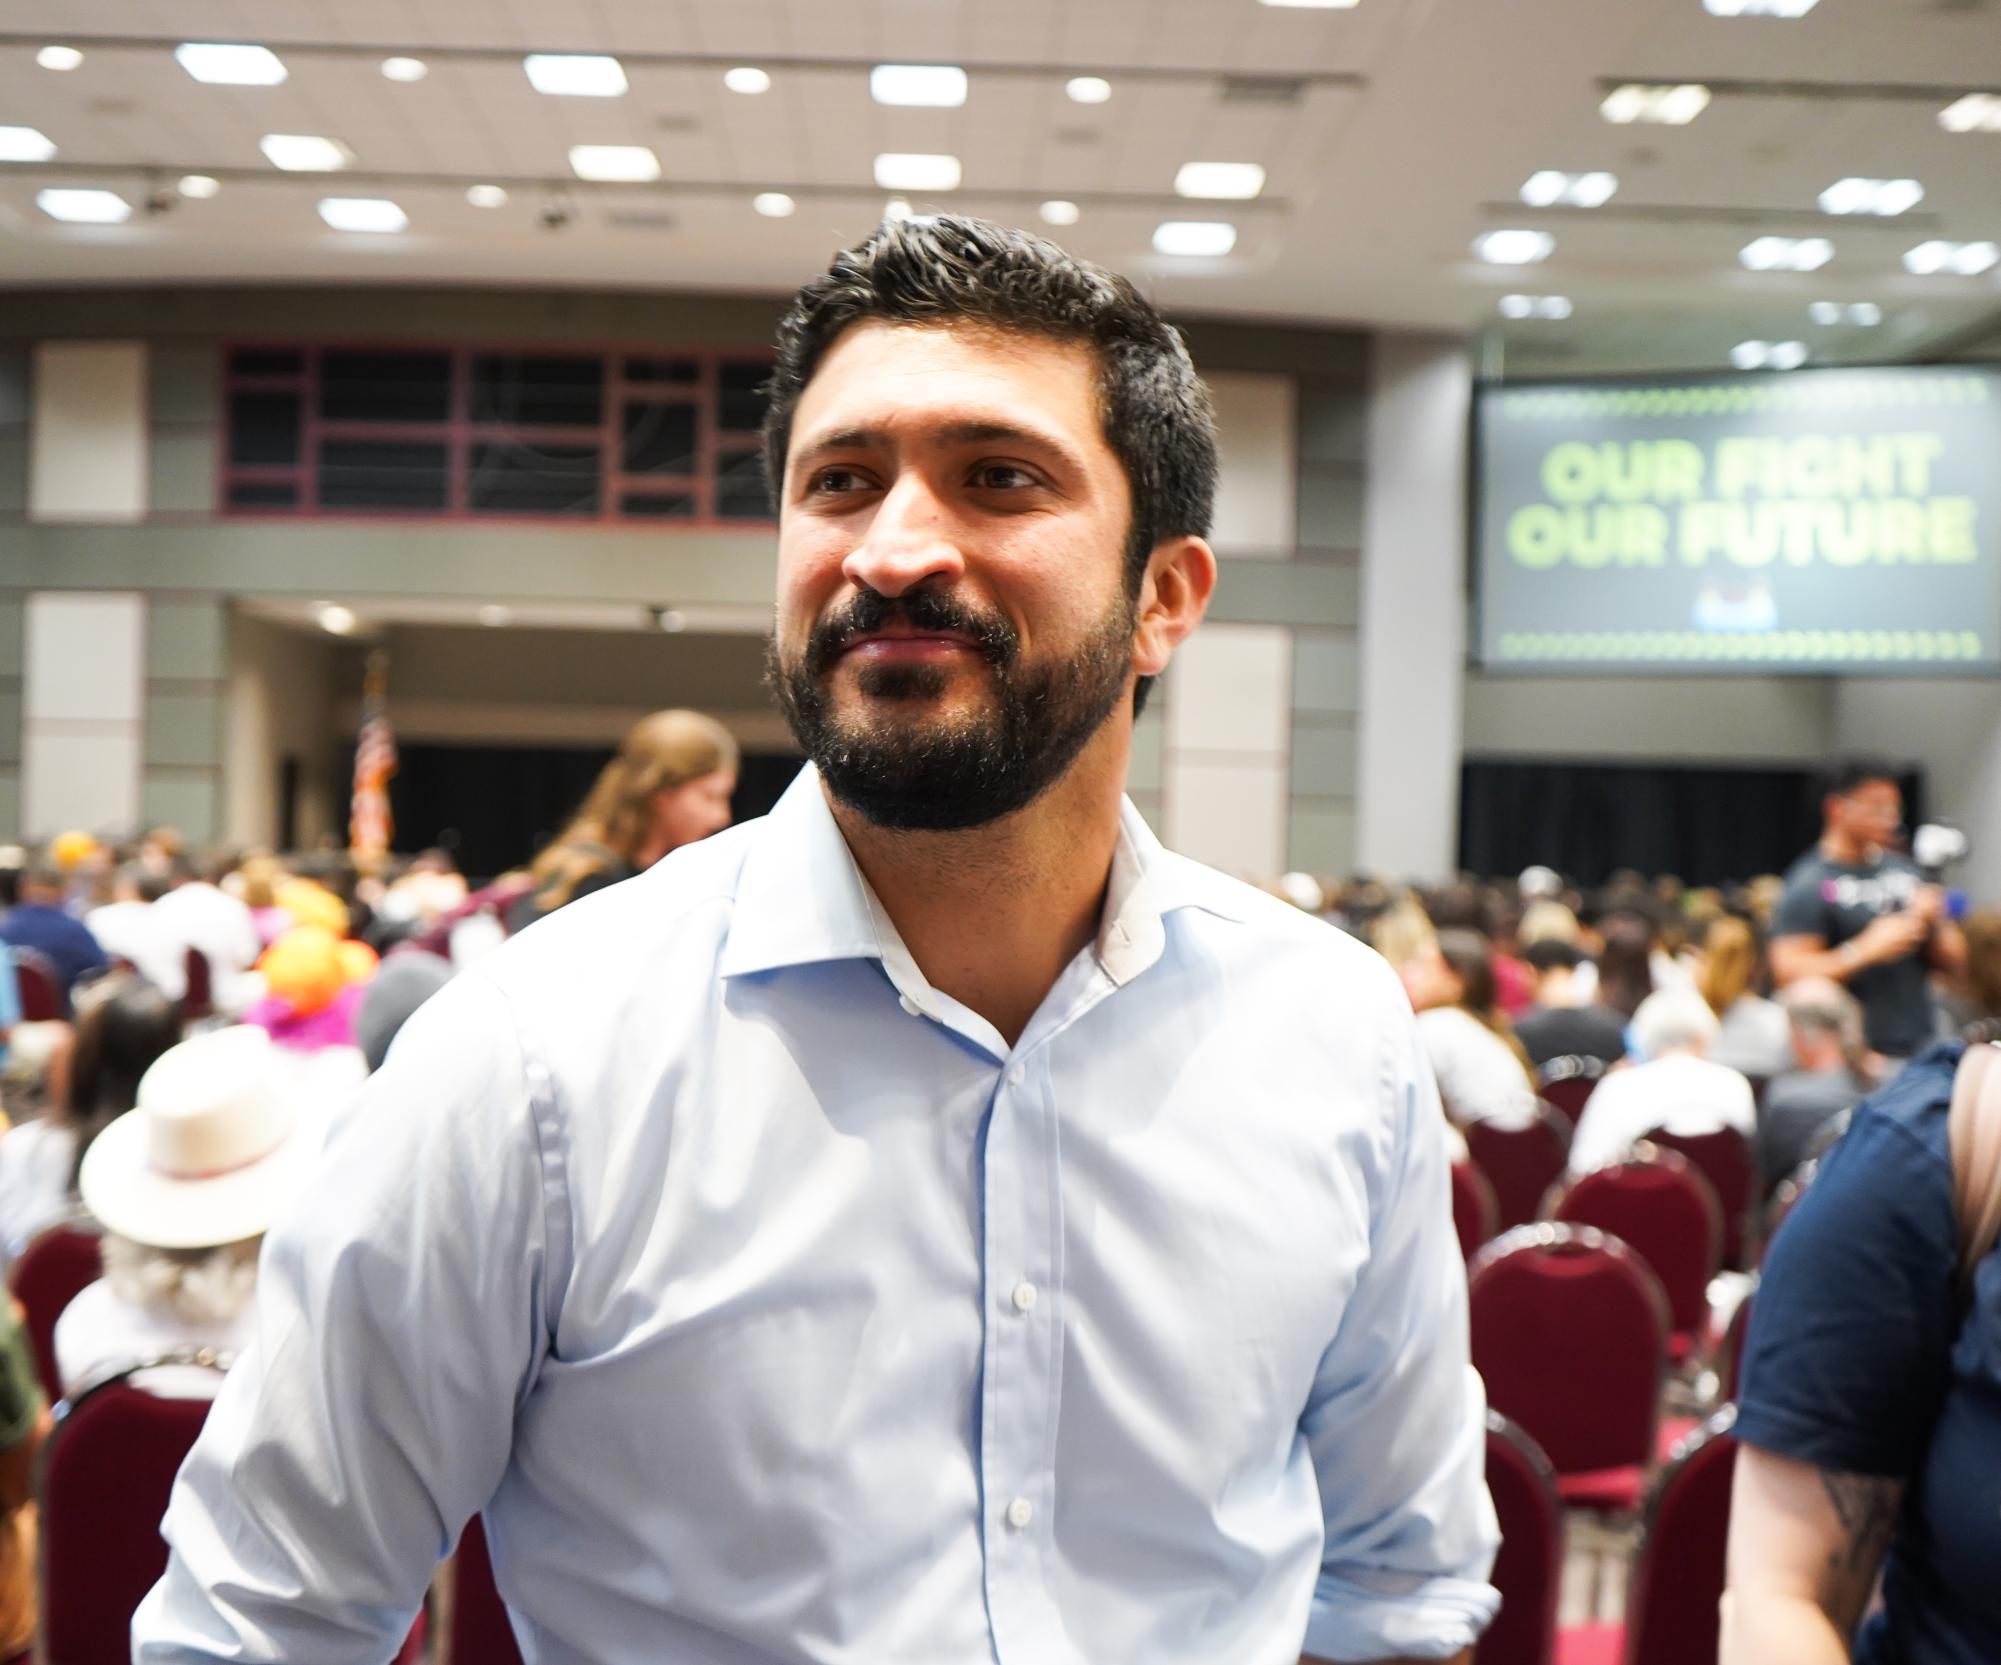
[1805,1545]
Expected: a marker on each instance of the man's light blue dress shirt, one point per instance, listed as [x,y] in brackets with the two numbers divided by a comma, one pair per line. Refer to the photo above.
[774,1309]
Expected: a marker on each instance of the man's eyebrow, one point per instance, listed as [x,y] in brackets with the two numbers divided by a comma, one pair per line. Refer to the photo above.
[952,433]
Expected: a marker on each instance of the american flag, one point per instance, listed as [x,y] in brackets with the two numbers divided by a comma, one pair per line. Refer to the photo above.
[369,827]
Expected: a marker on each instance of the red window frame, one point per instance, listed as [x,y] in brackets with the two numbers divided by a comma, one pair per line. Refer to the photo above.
[459,433]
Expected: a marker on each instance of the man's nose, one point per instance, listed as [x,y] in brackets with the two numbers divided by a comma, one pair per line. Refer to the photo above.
[910,541]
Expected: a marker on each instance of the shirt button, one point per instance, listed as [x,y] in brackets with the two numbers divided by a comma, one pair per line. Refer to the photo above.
[1020,1512]
[907,1004]
[1016,1076]
[1024,1295]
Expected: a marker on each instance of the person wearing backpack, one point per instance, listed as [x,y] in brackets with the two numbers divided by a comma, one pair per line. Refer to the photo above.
[1870,1417]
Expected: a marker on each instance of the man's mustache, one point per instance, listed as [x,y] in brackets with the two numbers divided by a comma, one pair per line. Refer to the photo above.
[931,611]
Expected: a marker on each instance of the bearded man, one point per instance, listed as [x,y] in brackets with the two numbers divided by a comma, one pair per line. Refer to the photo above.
[933,1225]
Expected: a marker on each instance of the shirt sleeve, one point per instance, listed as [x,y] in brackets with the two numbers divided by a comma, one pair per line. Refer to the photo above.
[403,1311]
[1850,1340]
[1397,1419]
[1798,913]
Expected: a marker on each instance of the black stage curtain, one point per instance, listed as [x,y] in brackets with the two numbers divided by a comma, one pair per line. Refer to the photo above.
[1588,820]
[493,807]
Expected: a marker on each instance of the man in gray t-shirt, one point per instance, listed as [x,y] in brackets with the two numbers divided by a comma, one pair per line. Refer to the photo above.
[1856,912]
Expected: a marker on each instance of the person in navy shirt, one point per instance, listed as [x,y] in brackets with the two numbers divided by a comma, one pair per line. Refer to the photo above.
[37,922]
[1870,1416]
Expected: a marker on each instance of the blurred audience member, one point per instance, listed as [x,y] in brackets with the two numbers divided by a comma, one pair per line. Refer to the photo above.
[24,1424]
[404,983]
[669,785]
[1565,1021]
[1973,1010]
[1674,1087]
[185,1186]
[1625,962]
[1547,920]
[128,928]
[1828,1074]
[1483,1074]
[1752,1035]
[123,1024]
[199,914]
[316,982]
[38,922]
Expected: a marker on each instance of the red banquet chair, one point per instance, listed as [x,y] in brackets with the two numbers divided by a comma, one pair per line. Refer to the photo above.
[198,1001]
[1520,1163]
[46,1276]
[1677,1588]
[38,985]
[1529,1569]
[1566,1083]
[1658,1205]
[1569,1332]
[480,1631]
[1476,1214]
[1724,1158]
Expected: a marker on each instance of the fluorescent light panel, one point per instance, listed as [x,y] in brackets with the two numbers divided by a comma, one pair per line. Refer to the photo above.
[59,58]
[1058,211]
[1088,89]
[1550,187]
[1768,355]
[1551,307]
[1514,247]
[1674,105]
[1885,197]
[487,196]
[405,69]
[1786,254]
[304,152]
[1219,181]
[1195,239]
[1314,5]
[919,86]
[1864,314]
[198,186]
[376,214]
[1938,258]
[230,66]
[746,79]
[83,207]
[1789,9]
[1975,113]
[615,164]
[25,144]
[773,205]
[575,74]
[899,170]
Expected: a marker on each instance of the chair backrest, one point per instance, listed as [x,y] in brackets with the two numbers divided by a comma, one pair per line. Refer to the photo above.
[198,1001]
[480,1631]
[46,1276]
[1569,1331]
[1730,1359]
[1672,1605]
[1529,1569]
[39,986]
[1520,1163]
[1657,1204]
[106,1474]
[1726,1159]
[1566,1083]
[1476,1214]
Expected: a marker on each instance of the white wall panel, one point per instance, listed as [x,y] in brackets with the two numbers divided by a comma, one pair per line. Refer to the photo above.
[87,431]
[83,707]
[1257,493]
[1232,691]
[79,776]
[1230,813]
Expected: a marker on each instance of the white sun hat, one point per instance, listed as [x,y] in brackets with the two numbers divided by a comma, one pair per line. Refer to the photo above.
[210,1154]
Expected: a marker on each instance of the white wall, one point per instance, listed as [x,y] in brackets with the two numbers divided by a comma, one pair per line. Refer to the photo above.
[1952,729]
[82,712]
[87,432]
[281,703]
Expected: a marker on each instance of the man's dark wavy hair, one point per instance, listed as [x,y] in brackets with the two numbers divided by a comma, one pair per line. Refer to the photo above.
[946,269]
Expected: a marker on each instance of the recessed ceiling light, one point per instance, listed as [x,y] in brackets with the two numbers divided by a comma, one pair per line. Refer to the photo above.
[1975,113]
[493,615]
[1866,313]
[1786,355]
[1219,181]
[926,86]
[334,618]
[25,144]
[230,66]
[618,164]
[1886,197]
[59,57]
[1940,258]
[486,196]
[897,208]
[1197,239]
[1088,89]
[1759,8]
[1514,247]
[575,74]
[1786,254]
[1825,313]
[1578,190]
[1666,105]
[1750,355]
[405,69]
[745,79]
[199,186]
[304,152]
[1059,212]
[376,214]
[915,171]
[84,207]
[773,205]
[1552,307]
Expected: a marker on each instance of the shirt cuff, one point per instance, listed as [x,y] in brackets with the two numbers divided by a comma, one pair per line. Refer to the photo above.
[1365,1613]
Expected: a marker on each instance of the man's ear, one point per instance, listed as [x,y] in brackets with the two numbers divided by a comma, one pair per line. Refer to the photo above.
[1180,578]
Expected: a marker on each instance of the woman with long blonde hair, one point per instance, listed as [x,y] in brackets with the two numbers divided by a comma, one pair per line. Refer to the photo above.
[1754,1037]
[669,785]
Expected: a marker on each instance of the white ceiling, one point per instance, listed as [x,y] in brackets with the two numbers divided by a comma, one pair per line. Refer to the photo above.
[1416,125]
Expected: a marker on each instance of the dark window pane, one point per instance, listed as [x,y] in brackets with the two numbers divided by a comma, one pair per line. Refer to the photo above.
[740,493]
[382,474]
[267,361]
[263,494]
[679,505]
[740,397]
[512,478]
[683,372]
[264,428]
[385,387]
[537,391]
[659,439]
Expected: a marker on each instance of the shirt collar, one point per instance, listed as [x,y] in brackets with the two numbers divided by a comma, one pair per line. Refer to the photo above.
[800,898]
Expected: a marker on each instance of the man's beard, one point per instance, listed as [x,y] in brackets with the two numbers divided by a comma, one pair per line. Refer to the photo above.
[899,769]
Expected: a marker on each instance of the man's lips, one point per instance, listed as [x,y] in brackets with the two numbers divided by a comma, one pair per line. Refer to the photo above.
[909,644]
